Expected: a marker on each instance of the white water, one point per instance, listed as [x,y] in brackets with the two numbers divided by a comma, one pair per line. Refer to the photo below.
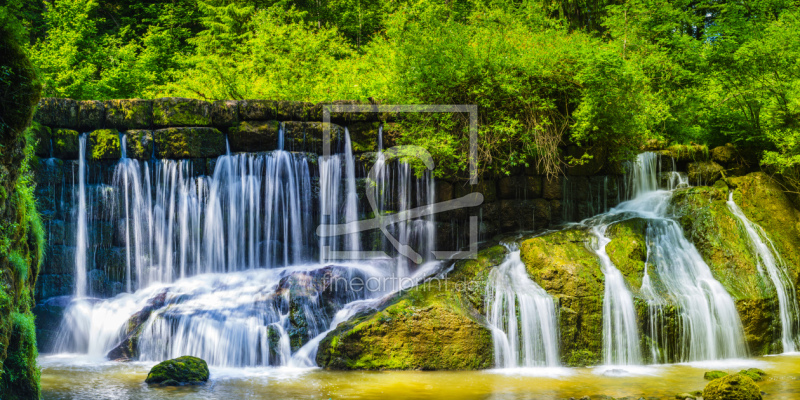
[769,258]
[220,266]
[82,240]
[709,324]
[522,317]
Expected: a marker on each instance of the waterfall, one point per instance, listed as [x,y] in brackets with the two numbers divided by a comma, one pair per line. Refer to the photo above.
[351,202]
[522,317]
[710,327]
[81,237]
[768,257]
[620,331]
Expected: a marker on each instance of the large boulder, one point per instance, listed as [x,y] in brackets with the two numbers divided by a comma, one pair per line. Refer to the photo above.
[732,387]
[704,172]
[179,371]
[436,325]
[562,264]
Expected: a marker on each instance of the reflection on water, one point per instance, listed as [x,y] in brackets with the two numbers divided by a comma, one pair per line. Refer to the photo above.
[67,377]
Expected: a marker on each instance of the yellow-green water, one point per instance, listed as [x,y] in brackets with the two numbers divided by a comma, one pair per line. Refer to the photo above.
[64,377]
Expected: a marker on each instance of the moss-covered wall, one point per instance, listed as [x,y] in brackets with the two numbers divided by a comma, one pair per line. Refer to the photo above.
[21,231]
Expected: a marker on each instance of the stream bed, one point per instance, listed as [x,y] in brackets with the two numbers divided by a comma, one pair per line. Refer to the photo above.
[67,376]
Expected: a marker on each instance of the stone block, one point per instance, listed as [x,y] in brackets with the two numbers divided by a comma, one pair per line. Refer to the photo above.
[129,114]
[178,111]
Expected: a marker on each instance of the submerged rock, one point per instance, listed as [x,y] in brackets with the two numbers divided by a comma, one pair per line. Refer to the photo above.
[732,387]
[711,375]
[179,371]
[755,374]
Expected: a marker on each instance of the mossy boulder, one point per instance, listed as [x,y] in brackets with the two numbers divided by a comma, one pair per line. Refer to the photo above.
[711,375]
[178,111]
[755,374]
[724,154]
[104,144]
[189,142]
[129,114]
[732,387]
[65,143]
[258,110]
[563,265]
[225,113]
[628,249]
[436,325]
[704,172]
[179,371]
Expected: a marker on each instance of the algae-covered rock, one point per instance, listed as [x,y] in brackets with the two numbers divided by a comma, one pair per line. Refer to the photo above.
[179,371]
[41,134]
[628,249]
[91,115]
[139,144]
[436,325]
[562,264]
[129,114]
[724,154]
[65,143]
[178,111]
[755,374]
[104,144]
[189,142]
[225,113]
[732,387]
[258,110]
[711,375]
[57,113]
[704,172]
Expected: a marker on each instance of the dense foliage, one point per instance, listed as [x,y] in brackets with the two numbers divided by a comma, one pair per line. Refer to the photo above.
[606,74]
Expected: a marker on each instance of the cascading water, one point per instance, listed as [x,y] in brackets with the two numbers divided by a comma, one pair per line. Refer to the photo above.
[710,327]
[82,240]
[769,258]
[221,266]
[522,317]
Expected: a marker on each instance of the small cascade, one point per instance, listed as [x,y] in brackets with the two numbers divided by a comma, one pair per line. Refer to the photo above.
[81,237]
[522,317]
[709,324]
[770,259]
[351,197]
[620,330]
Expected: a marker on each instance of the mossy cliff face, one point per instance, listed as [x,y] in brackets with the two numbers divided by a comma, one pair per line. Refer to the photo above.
[721,240]
[21,230]
[563,265]
[437,325]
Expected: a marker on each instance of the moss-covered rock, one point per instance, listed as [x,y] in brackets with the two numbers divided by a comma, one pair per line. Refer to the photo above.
[364,136]
[755,374]
[732,387]
[178,111]
[189,142]
[22,239]
[254,136]
[42,135]
[104,144]
[684,153]
[711,375]
[562,264]
[129,114]
[628,249]
[225,113]
[65,144]
[720,239]
[57,113]
[139,144]
[724,154]
[91,115]
[704,172]
[179,371]
[437,325]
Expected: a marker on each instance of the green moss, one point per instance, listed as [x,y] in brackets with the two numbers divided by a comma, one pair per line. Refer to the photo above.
[39,135]
[181,112]
[755,374]
[732,387]
[711,375]
[189,142]
[65,143]
[129,114]
[436,325]
[104,144]
[628,250]
[181,370]
[20,371]
[683,152]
